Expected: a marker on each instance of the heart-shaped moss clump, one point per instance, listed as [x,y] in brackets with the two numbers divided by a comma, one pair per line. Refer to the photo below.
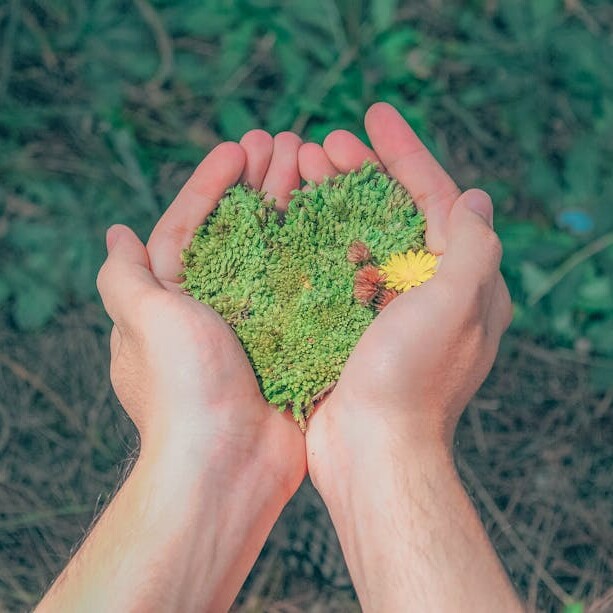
[300,289]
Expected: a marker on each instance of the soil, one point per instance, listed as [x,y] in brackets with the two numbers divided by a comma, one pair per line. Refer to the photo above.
[533,449]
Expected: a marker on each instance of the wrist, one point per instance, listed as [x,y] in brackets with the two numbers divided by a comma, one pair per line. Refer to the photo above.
[345,442]
[220,453]
[382,468]
[192,488]
[375,508]
[409,533]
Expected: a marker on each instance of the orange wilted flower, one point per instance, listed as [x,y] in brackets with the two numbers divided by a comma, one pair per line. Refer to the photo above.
[384,297]
[366,283]
[358,252]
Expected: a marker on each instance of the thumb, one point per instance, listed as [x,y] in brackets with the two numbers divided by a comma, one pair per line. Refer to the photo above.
[113,234]
[473,251]
[125,276]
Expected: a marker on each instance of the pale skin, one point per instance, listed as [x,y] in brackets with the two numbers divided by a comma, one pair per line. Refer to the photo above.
[217,464]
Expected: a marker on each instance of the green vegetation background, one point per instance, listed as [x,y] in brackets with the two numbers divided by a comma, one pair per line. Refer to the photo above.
[106,106]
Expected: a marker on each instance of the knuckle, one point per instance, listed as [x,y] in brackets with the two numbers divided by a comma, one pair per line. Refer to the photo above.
[102,277]
[491,244]
[494,246]
[507,306]
[478,333]
[509,317]
[466,304]
[473,335]
[473,311]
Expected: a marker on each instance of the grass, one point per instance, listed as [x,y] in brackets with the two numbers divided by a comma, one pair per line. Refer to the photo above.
[105,107]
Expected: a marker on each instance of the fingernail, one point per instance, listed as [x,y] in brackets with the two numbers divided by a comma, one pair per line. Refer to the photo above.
[479,202]
[112,235]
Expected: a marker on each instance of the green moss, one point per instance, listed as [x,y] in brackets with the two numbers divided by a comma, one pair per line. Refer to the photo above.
[285,285]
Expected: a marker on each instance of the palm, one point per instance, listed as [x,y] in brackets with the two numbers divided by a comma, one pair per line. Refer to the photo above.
[199,339]
[399,151]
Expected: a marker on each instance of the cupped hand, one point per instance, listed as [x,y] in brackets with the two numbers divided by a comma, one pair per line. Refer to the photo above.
[176,367]
[421,360]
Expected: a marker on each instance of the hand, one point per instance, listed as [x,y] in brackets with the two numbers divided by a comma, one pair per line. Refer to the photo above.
[217,463]
[421,360]
[379,446]
[177,368]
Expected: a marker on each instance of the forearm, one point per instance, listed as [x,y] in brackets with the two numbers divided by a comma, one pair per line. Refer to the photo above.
[412,538]
[179,536]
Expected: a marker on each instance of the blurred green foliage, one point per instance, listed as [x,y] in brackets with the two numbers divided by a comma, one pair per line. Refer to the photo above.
[106,105]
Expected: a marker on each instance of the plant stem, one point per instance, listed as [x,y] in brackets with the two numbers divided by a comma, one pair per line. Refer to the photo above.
[580,256]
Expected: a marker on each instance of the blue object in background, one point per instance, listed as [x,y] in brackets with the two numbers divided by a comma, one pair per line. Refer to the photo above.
[575,220]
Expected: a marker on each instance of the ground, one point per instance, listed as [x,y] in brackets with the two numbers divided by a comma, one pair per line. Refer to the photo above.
[533,449]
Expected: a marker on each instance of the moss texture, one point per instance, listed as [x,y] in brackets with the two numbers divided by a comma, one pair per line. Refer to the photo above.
[284,283]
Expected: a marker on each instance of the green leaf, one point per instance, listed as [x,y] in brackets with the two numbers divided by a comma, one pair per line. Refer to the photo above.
[392,51]
[383,13]
[281,115]
[563,324]
[575,607]
[533,277]
[516,238]
[564,295]
[236,48]
[582,171]
[543,180]
[601,335]
[235,119]
[35,305]
[86,259]
[525,116]
[596,295]
[295,66]
[523,318]
[202,19]
[321,14]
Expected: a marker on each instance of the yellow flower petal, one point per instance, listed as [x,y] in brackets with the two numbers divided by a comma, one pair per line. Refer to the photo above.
[406,270]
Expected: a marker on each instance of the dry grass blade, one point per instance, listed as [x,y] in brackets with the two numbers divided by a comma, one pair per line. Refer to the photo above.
[510,533]
[68,413]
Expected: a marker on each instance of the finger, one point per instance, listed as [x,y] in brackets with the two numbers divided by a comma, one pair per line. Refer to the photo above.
[258,146]
[125,276]
[473,254]
[346,151]
[408,160]
[314,164]
[283,175]
[220,169]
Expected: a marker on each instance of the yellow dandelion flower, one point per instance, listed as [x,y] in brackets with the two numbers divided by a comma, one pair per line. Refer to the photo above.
[406,270]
